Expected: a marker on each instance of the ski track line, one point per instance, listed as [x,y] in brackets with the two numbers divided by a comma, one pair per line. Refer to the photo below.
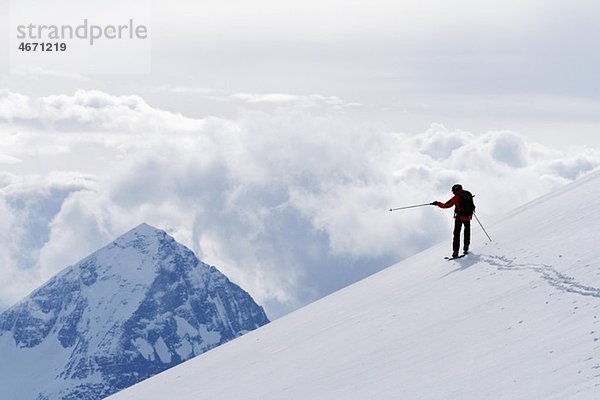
[559,280]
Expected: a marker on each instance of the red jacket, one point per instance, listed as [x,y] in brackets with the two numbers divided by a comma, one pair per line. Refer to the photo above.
[455,201]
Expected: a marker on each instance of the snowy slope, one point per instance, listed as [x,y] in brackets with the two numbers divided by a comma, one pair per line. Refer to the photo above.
[517,319]
[134,308]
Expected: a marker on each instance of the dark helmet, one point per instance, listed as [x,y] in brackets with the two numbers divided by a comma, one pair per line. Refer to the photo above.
[456,188]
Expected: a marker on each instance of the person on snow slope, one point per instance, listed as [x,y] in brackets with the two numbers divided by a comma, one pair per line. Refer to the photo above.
[463,213]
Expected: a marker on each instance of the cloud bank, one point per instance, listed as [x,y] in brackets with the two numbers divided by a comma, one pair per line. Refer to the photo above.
[290,203]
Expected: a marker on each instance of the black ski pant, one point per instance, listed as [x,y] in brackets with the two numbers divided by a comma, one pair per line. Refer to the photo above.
[456,239]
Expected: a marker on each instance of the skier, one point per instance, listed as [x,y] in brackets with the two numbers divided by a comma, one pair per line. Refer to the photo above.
[463,213]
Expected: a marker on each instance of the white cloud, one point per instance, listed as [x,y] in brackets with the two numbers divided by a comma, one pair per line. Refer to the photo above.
[301,101]
[292,204]
[14,282]
[265,98]
[439,142]
[13,105]
[90,111]
[262,99]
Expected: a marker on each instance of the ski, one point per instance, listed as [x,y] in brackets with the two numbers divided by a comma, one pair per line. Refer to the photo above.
[454,258]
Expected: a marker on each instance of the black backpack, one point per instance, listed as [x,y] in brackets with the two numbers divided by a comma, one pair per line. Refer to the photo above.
[466,207]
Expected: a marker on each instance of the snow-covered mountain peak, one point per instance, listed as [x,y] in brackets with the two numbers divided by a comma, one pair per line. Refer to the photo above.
[135,307]
[143,235]
[143,239]
[134,257]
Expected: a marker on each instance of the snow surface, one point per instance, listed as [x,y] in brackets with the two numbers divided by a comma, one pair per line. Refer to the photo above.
[519,318]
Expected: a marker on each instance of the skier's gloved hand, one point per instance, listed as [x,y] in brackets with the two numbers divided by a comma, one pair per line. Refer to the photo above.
[435,203]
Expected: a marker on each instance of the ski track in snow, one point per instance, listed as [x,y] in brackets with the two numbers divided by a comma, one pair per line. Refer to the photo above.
[556,279]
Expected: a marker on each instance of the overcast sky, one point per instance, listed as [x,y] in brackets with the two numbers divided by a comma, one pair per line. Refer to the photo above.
[271,137]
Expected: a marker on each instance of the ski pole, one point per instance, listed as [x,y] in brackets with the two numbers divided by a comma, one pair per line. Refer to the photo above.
[486,234]
[404,208]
